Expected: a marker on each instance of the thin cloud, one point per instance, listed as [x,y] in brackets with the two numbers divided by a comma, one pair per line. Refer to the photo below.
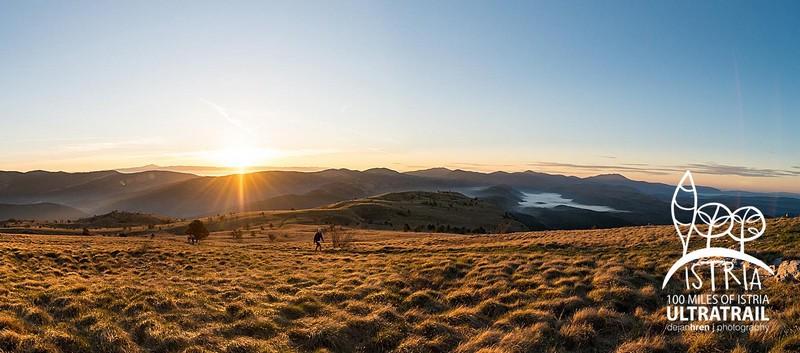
[405,166]
[485,165]
[600,168]
[698,168]
[98,146]
[225,115]
[722,169]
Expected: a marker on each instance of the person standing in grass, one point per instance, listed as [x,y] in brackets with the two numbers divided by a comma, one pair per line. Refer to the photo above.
[318,239]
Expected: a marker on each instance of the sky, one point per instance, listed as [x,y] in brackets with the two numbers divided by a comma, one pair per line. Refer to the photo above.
[643,88]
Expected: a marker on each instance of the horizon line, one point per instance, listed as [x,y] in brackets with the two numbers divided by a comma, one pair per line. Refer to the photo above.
[231,171]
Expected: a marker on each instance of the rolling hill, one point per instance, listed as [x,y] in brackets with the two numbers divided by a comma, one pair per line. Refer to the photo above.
[39,211]
[186,196]
[420,211]
[211,195]
[85,191]
[118,219]
[325,194]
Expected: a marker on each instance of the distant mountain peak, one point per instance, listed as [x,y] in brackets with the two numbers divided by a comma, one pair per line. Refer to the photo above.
[383,171]
[431,172]
[144,168]
[610,176]
[437,169]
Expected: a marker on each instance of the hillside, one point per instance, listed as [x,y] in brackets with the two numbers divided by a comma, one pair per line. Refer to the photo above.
[116,219]
[419,211]
[211,195]
[85,191]
[188,196]
[324,195]
[39,211]
[565,217]
[503,196]
[277,189]
[591,291]
[425,211]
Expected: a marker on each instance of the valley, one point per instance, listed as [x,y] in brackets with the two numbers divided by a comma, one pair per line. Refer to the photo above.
[538,200]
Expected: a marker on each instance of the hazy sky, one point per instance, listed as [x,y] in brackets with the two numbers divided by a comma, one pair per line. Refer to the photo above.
[579,87]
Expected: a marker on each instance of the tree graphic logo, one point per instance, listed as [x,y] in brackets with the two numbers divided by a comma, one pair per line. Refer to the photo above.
[711,221]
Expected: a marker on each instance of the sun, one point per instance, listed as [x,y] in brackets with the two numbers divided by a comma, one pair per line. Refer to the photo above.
[240,158]
[241,153]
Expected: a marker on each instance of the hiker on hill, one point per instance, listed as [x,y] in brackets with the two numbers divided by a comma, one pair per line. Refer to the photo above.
[318,239]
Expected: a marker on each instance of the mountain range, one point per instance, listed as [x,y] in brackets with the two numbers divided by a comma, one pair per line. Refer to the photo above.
[535,199]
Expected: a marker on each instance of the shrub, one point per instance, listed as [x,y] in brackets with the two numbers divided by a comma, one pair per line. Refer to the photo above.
[197,231]
[340,239]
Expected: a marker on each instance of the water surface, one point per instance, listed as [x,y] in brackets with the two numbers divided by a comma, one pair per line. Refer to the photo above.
[551,199]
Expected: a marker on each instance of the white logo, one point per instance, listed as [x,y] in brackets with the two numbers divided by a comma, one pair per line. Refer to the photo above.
[715,220]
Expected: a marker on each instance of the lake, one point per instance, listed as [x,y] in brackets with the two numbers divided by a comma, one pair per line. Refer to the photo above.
[551,199]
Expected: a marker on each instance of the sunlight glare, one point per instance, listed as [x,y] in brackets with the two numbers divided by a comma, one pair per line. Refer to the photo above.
[241,157]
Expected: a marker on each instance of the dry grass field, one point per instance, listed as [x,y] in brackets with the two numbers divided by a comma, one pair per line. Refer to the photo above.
[565,291]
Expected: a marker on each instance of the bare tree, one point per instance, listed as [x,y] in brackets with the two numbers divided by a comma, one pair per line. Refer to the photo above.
[236,234]
[340,238]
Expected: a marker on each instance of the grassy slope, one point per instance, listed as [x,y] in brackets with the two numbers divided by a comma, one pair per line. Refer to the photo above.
[417,208]
[444,211]
[579,291]
[119,219]
[392,211]
[40,211]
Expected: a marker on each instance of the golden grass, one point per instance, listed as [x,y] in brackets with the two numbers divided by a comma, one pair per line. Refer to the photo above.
[567,291]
